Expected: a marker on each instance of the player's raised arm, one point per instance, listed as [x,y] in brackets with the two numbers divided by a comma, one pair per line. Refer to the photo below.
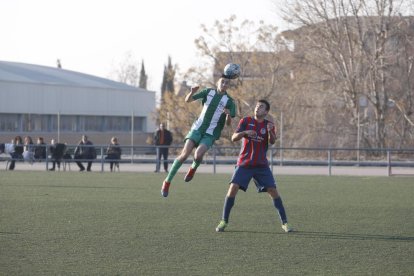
[228,120]
[272,132]
[189,97]
[228,116]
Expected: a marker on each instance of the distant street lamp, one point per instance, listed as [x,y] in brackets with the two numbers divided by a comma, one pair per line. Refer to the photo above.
[362,104]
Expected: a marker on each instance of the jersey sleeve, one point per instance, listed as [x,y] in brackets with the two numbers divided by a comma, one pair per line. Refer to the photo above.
[201,94]
[241,126]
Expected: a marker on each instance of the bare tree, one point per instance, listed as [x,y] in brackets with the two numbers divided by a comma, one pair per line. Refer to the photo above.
[127,70]
[350,46]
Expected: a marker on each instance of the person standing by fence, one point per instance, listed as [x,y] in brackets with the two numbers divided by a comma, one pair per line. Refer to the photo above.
[113,153]
[163,138]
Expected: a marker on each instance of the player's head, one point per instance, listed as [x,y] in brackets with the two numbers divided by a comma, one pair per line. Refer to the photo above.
[266,103]
[261,109]
[222,84]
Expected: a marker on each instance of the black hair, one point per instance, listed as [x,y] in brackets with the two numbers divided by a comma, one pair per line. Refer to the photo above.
[267,104]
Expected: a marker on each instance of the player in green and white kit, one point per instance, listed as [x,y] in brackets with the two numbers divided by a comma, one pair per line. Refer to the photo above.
[218,109]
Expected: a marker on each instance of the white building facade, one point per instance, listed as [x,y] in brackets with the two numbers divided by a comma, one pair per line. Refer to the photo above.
[52,102]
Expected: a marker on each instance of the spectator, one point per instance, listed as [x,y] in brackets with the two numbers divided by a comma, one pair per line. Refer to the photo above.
[40,149]
[113,153]
[162,137]
[85,151]
[56,152]
[17,152]
[7,147]
[28,149]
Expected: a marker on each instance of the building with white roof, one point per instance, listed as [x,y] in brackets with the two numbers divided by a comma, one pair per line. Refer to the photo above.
[53,102]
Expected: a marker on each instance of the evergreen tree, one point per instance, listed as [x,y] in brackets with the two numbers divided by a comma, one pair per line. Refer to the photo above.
[143,77]
[168,78]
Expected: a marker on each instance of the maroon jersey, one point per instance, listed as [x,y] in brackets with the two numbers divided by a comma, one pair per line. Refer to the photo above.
[254,149]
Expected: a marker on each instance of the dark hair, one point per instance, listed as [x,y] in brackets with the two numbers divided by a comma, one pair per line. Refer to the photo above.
[266,103]
[18,139]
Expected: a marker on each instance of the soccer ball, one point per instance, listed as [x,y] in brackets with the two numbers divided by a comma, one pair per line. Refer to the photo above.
[231,71]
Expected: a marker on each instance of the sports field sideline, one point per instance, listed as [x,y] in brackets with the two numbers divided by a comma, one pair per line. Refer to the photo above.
[118,224]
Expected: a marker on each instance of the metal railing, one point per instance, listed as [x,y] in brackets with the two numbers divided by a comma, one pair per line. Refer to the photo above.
[218,155]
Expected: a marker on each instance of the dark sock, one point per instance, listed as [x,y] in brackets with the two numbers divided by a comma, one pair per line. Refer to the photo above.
[228,204]
[280,208]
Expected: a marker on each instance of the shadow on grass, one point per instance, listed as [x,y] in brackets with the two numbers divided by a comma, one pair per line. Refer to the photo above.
[9,233]
[70,186]
[346,236]
[337,236]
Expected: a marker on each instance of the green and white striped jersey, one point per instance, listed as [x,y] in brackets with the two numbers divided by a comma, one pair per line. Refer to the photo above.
[212,119]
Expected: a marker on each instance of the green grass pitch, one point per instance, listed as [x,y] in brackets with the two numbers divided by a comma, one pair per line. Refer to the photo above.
[71,223]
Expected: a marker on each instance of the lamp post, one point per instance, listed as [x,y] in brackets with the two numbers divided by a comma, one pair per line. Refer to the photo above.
[281,138]
[132,136]
[358,136]
[362,104]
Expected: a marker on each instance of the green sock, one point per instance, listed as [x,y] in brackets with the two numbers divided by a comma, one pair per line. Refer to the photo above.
[174,169]
[195,164]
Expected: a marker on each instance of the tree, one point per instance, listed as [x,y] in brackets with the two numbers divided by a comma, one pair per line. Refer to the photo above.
[350,45]
[166,111]
[127,71]
[168,78]
[319,81]
[143,77]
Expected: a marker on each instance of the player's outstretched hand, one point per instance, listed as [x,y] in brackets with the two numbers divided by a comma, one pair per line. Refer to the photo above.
[270,126]
[194,89]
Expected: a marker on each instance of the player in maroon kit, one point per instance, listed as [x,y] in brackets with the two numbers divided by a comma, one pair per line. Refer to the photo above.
[256,134]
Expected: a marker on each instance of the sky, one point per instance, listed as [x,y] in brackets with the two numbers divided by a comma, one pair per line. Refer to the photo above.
[95,36]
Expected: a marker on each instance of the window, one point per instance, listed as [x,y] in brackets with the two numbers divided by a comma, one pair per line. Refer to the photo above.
[68,123]
[9,122]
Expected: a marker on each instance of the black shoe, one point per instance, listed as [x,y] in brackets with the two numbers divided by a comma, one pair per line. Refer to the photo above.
[81,169]
[52,169]
[156,171]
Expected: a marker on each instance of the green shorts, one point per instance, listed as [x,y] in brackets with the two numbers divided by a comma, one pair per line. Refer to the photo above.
[198,138]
